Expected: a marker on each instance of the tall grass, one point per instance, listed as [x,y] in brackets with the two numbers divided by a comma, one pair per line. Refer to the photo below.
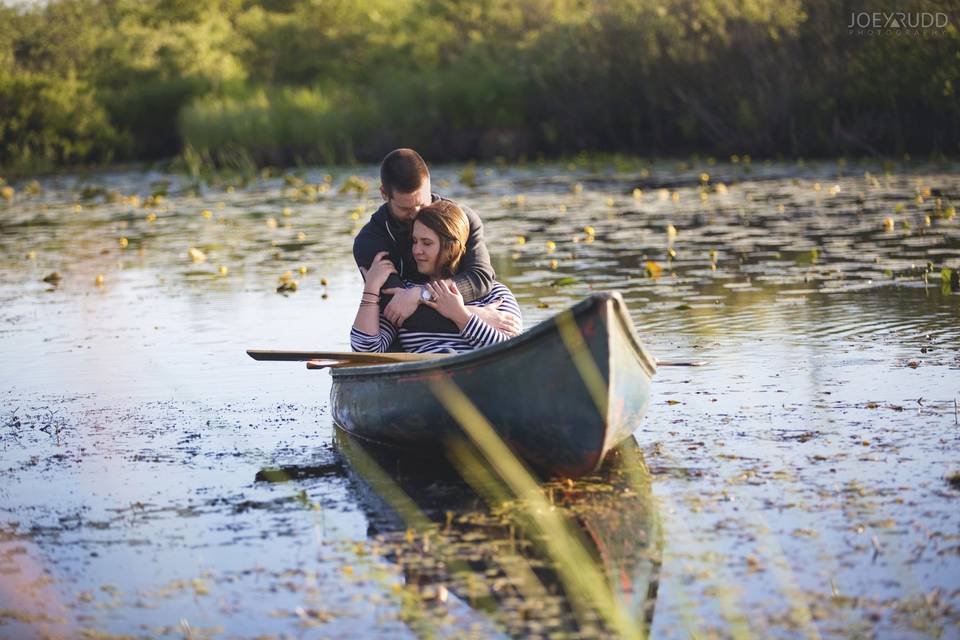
[274,126]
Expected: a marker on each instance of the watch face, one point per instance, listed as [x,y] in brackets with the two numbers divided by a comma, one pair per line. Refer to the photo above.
[426,294]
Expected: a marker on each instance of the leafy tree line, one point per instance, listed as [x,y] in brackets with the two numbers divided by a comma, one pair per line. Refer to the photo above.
[286,81]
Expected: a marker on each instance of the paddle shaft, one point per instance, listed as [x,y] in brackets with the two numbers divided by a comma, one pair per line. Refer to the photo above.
[344,358]
[272,355]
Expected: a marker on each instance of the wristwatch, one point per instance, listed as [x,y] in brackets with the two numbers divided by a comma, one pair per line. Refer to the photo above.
[426,295]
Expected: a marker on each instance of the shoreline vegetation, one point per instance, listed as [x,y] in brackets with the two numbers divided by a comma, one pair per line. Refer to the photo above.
[244,84]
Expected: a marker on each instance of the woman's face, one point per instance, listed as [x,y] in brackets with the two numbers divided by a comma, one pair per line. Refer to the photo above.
[426,249]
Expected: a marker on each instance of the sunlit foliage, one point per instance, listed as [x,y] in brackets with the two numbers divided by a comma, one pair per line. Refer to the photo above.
[284,81]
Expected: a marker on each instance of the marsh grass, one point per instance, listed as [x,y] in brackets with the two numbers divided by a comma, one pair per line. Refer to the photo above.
[282,126]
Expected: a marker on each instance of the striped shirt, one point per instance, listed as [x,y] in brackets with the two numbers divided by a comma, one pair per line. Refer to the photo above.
[475,334]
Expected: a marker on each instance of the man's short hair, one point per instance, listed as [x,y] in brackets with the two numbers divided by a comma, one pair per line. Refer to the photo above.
[403,171]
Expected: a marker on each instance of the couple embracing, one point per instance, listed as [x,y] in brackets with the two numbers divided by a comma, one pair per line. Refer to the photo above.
[428,283]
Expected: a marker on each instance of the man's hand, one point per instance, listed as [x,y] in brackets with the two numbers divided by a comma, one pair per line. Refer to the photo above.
[404,303]
[505,322]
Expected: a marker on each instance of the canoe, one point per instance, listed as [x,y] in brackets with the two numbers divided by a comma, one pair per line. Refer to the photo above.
[561,395]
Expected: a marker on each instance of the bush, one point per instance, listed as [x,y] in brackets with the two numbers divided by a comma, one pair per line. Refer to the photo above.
[47,121]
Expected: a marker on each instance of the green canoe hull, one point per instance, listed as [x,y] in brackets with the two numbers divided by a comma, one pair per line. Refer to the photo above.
[561,395]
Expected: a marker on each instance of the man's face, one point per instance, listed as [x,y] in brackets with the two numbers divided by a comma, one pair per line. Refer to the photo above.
[405,206]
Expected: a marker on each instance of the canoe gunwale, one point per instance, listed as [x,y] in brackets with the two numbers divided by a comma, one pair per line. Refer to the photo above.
[647,361]
[492,352]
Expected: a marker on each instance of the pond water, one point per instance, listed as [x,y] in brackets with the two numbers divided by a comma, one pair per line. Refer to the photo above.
[804,479]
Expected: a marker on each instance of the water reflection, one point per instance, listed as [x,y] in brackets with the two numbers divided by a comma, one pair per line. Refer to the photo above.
[453,544]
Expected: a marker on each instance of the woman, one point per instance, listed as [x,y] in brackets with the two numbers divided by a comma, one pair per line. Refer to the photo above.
[439,235]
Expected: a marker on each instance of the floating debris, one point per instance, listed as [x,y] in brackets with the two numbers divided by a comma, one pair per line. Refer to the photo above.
[355,185]
[468,176]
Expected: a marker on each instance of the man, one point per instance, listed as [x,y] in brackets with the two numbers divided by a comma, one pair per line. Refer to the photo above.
[405,188]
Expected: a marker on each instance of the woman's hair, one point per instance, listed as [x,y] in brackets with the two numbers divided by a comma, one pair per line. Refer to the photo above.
[451,225]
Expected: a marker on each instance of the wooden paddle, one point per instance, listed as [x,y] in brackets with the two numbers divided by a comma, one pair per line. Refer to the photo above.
[345,358]
[681,363]
[324,359]
[324,364]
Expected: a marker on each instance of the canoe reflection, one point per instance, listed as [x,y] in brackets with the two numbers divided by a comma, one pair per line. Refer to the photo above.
[474,542]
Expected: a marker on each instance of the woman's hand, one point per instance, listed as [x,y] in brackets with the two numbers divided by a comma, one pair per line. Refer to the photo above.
[448,301]
[380,269]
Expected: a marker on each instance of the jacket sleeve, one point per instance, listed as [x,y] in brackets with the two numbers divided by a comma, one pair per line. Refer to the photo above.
[476,276]
[367,245]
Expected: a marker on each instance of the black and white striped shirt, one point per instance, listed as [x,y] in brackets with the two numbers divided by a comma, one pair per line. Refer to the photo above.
[475,334]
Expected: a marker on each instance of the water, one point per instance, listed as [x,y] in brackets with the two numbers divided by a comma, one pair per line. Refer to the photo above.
[800,476]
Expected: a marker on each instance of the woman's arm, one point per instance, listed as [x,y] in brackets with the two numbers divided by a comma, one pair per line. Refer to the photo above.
[378,342]
[368,321]
[480,334]
[449,302]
